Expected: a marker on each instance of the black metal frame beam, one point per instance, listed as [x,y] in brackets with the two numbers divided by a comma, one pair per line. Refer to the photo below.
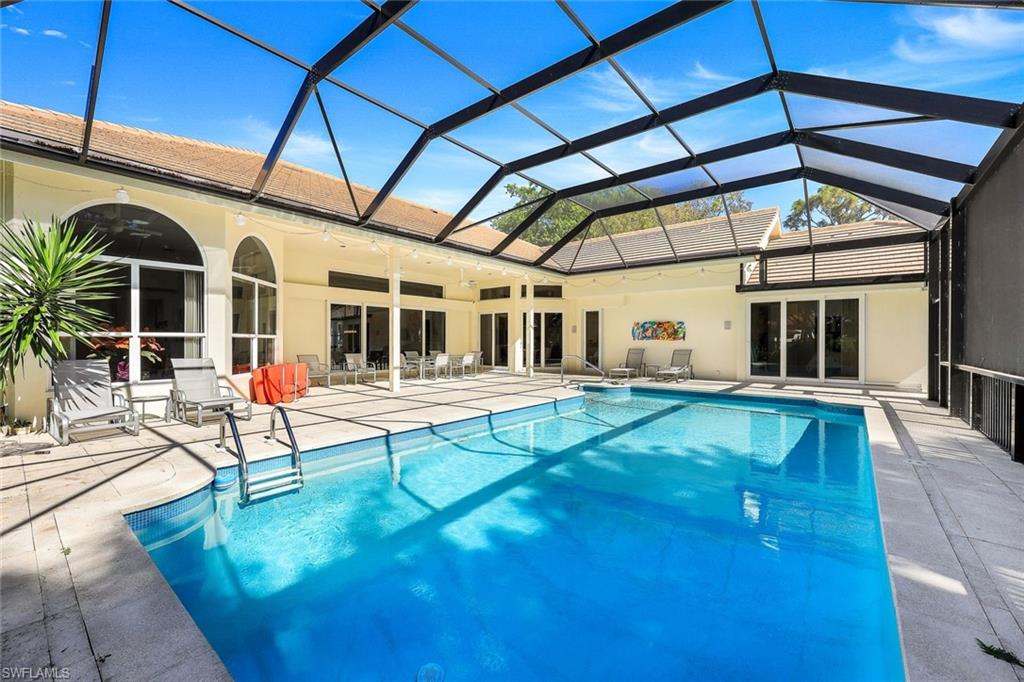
[94,81]
[899,239]
[985,112]
[362,34]
[883,192]
[838,282]
[699,105]
[689,195]
[895,158]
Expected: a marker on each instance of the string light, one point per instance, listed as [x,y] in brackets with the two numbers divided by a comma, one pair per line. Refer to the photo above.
[240,219]
[121,195]
[325,236]
[449,261]
[415,254]
[504,271]
[479,267]
[701,271]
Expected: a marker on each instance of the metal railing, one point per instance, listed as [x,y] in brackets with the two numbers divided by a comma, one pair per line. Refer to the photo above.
[228,420]
[561,370]
[266,482]
[993,403]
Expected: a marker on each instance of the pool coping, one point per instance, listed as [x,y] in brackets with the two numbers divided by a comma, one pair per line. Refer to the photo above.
[142,587]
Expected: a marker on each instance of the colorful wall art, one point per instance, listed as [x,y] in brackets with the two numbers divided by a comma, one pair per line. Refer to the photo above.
[659,331]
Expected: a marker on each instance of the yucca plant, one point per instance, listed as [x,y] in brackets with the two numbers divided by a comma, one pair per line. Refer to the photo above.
[49,276]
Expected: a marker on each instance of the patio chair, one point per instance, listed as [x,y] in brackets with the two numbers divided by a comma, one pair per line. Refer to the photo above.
[466,362]
[83,401]
[197,393]
[355,364]
[678,366]
[317,369]
[633,366]
[442,363]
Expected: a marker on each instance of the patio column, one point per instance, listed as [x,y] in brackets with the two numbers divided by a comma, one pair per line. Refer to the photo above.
[517,335]
[394,329]
[529,328]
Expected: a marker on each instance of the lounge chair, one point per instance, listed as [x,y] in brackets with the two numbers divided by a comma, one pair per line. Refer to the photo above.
[317,369]
[197,393]
[355,364]
[678,366]
[633,366]
[84,401]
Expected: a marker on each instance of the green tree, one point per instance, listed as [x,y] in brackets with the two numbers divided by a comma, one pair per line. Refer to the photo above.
[49,276]
[551,226]
[831,206]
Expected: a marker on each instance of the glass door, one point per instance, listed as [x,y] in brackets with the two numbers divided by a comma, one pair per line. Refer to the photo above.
[552,339]
[501,339]
[765,337]
[592,337]
[842,338]
[802,339]
[487,339]
[377,336]
[346,336]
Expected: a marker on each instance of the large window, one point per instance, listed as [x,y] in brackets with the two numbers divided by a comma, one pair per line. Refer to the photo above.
[253,307]
[156,312]
[363,330]
[348,280]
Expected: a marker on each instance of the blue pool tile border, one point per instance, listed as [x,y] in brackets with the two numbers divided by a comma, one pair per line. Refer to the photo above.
[625,391]
[226,477]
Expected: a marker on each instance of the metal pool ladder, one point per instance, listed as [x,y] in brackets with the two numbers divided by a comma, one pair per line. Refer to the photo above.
[576,382]
[274,482]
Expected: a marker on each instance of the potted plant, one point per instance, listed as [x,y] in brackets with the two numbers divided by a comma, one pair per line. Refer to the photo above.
[49,277]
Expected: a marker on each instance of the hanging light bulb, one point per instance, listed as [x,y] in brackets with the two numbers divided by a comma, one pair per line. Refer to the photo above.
[504,271]
[449,261]
[240,219]
[479,267]
[326,237]
[659,275]
[374,246]
[415,254]
[121,195]
[701,271]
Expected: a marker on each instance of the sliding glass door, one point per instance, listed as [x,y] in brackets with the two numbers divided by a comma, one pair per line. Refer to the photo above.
[817,339]
[842,338]
[547,339]
[592,337]
[765,335]
[802,339]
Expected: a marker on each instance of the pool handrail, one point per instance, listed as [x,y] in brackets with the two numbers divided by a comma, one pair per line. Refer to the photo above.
[561,369]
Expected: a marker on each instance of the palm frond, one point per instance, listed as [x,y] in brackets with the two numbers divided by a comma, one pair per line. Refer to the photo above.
[49,277]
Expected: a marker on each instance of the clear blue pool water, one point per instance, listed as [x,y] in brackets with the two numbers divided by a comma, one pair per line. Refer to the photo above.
[639,538]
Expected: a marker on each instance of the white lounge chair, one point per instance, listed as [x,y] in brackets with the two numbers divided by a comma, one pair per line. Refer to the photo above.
[84,401]
[197,393]
[632,367]
[466,362]
[442,363]
[678,366]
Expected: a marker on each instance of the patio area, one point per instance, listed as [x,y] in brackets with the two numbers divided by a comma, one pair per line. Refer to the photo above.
[81,593]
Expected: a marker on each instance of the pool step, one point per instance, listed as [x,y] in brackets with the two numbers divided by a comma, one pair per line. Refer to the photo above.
[269,486]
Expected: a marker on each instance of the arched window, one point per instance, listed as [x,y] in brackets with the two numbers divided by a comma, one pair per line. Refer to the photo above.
[253,307]
[157,312]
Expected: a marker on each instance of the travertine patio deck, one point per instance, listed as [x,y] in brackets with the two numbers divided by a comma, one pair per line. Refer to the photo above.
[79,592]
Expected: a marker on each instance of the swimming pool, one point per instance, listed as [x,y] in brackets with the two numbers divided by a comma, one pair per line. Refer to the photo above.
[642,537]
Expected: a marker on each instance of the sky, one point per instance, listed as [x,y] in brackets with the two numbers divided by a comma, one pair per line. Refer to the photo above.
[166,70]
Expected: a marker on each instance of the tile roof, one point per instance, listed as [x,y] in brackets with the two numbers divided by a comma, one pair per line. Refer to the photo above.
[233,168]
[903,259]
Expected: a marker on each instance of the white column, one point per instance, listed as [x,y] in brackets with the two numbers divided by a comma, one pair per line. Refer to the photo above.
[529,328]
[394,329]
[517,340]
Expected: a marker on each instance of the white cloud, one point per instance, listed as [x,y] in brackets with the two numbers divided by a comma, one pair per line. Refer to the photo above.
[21,31]
[67,82]
[54,33]
[703,73]
[960,36]
[604,90]
[304,148]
